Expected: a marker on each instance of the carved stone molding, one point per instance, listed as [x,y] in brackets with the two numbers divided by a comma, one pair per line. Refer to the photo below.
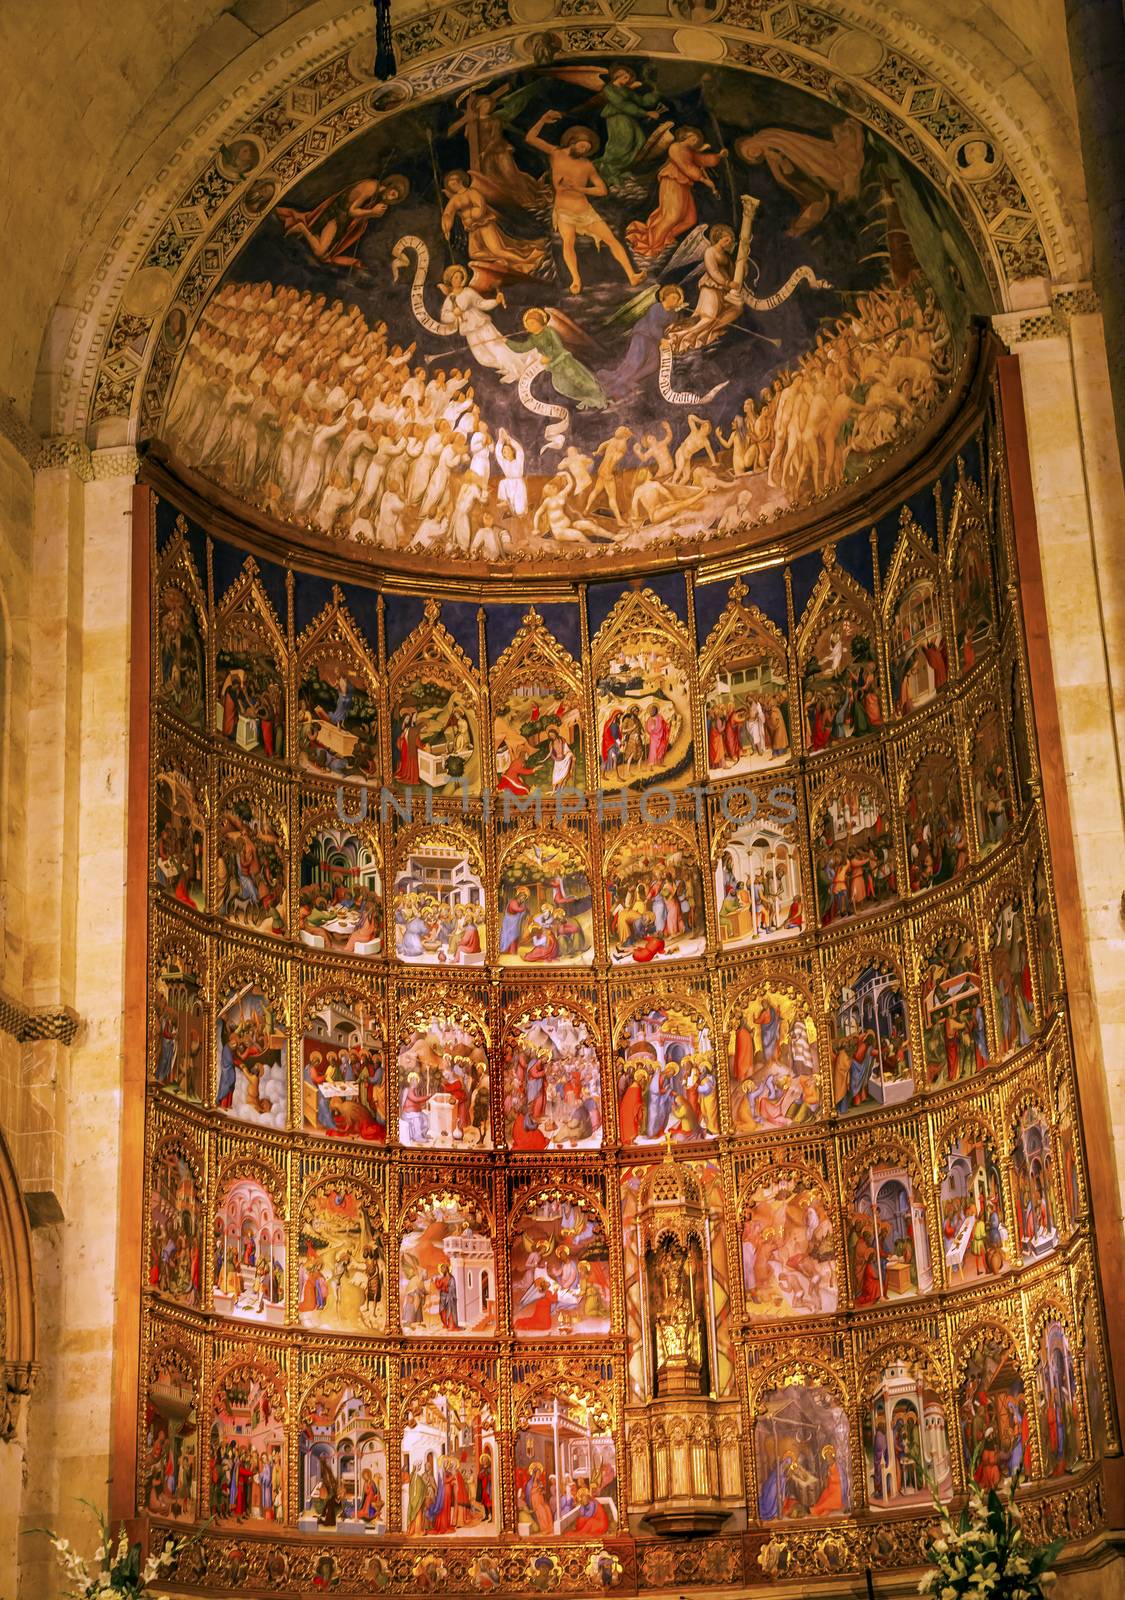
[51,1022]
[1049,321]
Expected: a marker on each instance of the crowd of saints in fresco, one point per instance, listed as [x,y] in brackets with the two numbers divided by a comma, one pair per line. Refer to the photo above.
[888,1246]
[337,722]
[559,1271]
[840,685]
[758,889]
[653,893]
[774,1062]
[565,1471]
[854,855]
[435,738]
[872,1062]
[340,900]
[788,1249]
[443,1083]
[537,739]
[801,1455]
[954,1035]
[179,1064]
[747,716]
[343,1072]
[666,1085]
[644,716]
[343,1463]
[439,911]
[247,1440]
[249,1254]
[252,1082]
[545,905]
[342,1267]
[449,1477]
[552,1084]
[995,1422]
[447,1270]
[180,840]
[906,1440]
[589,308]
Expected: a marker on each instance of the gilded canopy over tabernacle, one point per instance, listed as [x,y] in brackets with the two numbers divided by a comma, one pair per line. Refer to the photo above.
[610,309]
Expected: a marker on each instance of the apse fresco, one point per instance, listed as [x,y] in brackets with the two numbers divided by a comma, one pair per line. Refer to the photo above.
[607,1072]
[598,308]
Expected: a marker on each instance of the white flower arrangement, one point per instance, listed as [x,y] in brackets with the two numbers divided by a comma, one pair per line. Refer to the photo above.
[115,1569]
[983,1555]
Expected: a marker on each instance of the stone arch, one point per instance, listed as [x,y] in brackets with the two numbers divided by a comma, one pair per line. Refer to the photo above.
[18,1311]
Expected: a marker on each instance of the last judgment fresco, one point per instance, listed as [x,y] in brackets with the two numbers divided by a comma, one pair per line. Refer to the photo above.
[594,310]
[612,1123]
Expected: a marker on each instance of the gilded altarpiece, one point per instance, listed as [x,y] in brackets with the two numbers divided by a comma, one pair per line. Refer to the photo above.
[576,1122]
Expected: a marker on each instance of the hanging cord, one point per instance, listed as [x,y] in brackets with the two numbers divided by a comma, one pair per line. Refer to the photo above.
[385,64]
